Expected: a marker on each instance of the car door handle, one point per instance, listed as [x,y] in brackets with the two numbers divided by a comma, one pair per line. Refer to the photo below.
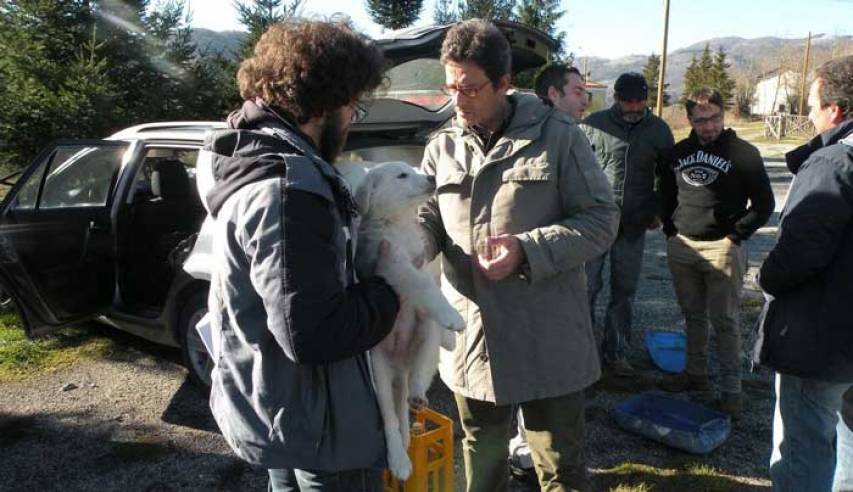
[96,227]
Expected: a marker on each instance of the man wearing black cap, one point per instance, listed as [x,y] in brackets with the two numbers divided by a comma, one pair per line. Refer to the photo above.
[630,143]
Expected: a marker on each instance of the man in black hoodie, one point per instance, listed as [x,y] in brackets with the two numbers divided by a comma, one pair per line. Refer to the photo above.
[808,326]
[715,194]
[291,387]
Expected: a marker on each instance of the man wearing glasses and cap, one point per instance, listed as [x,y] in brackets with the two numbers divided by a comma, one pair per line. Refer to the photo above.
[520,206]
[630,143]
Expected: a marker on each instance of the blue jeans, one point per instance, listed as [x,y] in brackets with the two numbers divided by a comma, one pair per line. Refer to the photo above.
[626,261]
[291,480]
[812,446]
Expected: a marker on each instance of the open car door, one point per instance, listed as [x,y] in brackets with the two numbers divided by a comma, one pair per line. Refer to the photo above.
[56,241]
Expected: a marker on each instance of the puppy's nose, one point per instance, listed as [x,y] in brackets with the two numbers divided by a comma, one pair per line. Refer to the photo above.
[431,179]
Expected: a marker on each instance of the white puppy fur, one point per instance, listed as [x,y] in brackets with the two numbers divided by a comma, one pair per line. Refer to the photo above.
[405,362]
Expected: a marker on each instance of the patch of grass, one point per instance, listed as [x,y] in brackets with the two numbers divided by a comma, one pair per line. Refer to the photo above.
[21,357]
[637,477]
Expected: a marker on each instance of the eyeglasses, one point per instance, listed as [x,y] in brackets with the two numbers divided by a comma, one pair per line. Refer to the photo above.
[453,90]
[358,113]
[711,119]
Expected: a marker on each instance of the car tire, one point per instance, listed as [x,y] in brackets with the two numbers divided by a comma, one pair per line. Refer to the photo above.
[195,355]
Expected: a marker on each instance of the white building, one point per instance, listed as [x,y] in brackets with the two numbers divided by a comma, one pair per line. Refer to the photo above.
[776,92]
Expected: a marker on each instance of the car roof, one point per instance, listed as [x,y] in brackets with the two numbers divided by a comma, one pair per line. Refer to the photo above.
[191,131]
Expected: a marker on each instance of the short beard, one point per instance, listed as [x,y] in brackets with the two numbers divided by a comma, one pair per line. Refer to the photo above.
[633,117]
[332,138]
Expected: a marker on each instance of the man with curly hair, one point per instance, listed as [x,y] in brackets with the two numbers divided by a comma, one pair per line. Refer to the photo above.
[520,205]
[291,390]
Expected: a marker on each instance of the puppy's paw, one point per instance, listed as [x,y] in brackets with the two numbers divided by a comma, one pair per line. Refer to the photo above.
[450,319]
[448,340]
[399,465]
[418,402]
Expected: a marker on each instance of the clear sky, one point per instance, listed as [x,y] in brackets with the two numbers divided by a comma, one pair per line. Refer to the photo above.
[613,28]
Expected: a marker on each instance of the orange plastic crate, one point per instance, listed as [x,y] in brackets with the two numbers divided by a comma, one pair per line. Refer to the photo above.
[431,452]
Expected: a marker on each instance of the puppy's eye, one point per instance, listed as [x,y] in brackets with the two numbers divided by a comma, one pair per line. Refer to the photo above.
[402,176]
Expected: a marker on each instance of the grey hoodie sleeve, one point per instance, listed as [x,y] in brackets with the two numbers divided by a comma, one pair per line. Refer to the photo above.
[295,266]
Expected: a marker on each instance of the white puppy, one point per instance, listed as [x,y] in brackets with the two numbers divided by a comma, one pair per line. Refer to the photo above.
[404,364]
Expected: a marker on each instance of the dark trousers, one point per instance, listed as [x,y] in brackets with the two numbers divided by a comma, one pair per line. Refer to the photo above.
[555,433]
[291,480]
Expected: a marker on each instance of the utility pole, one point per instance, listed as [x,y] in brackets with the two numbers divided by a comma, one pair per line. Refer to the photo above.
[661,77]
[805,72]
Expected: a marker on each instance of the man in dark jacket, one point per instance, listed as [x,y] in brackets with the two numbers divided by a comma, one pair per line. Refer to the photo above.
[291,388]
[630,143]
[808,327]
[714,194]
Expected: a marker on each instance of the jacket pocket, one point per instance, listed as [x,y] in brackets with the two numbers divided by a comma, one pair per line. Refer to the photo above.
[525,173]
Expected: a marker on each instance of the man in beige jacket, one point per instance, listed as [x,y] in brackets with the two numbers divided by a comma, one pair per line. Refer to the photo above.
[520,205]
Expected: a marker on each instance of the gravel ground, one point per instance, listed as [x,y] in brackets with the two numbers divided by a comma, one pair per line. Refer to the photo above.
[134,422]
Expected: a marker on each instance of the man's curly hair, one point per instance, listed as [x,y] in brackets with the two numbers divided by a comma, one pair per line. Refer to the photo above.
[480,42]
[306,68]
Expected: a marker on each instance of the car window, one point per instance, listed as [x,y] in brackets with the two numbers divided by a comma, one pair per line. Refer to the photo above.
[28,194]
[155,155]
[80,175]
[416,82]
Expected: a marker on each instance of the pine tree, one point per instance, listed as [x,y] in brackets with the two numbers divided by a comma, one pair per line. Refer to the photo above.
[487,9]
[394,14]
[259,15]
[651,71]
[53,77]
[75,68]
[691,79]
[706,68]
[722,81]
[700,73]
[444,12]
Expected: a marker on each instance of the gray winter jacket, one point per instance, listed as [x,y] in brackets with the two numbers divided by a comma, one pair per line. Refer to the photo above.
[630,156]
[291,387]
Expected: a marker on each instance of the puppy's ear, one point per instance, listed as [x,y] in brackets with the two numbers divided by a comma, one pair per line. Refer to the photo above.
[364,192]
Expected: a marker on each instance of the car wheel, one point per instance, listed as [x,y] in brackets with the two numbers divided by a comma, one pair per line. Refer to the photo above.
[196,357]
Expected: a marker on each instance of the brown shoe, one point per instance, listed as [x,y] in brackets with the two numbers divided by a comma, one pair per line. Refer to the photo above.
[682,381]
[730,404]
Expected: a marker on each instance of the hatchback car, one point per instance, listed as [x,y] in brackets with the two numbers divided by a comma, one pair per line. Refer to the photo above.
[99,229]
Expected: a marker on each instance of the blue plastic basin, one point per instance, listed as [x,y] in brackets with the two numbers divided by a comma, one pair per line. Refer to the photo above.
[678,423]
[667,349]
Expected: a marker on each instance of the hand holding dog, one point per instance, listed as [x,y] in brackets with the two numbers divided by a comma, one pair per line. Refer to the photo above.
[504,255]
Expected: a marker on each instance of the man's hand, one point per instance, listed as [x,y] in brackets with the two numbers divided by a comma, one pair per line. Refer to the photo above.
[500,256]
